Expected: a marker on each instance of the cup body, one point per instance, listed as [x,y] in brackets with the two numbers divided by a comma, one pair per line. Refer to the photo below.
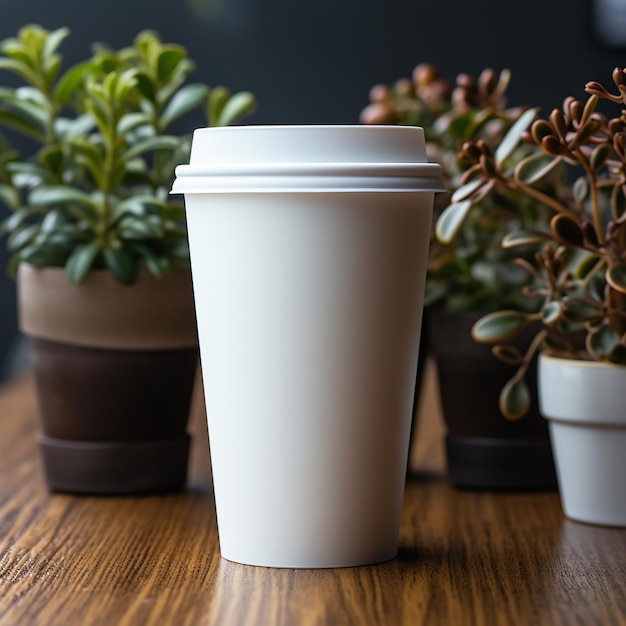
[309,305]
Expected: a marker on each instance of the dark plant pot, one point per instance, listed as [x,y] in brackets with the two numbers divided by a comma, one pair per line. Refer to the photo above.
[113,421]
[114,385]
[485,450]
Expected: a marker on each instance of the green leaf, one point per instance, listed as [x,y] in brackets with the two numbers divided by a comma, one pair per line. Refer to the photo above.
[91,156]
[70,82]
[164,142]
[88,148]
[101,112]
[105,60]
[601,342]
[125,210]
[50,67]
[618,201]
[125,169]
[590,107]
[13,264]
[31,94]
[185,100]
[508,354]
[459,126]
[587,130]
[451,221]
[130,121]
[123,85]
[218,97]
[567,230]
[16,123]
[579,310]
[596,286]
[541,129]
[19,217]
[41,256]
[524,238]
[21,236]
[66,237]
[551,312]
[589,263]
[513,136]
[24,116]
[51,157]
[500,326]
[150,227]
[237,106]
[21,69]
[147,41]
[465,192]
[81,261]
[52,221]
[515,399]
[178,251]
[27,174]
[139,205]
[14,48]
[580,189]
[146,86]
[168,61]
[535,167]
[80,126]
[616,277]
[156,264]
[61,194]
[9,196]
[600,155]
[53,40]
[121,264]
[173,212]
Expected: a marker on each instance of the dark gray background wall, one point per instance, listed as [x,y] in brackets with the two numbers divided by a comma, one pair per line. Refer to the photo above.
[313,61]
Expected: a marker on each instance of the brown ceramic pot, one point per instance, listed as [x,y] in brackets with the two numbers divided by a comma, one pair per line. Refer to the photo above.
[114,368]
[485,450]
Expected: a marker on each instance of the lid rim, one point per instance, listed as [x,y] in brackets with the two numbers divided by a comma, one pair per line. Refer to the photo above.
[308,176]
[305,184]
[338,168]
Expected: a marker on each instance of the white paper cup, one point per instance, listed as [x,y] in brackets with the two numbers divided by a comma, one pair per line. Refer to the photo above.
[308,250]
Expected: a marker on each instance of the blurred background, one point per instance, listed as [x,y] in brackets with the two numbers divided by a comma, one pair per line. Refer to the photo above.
[314,61]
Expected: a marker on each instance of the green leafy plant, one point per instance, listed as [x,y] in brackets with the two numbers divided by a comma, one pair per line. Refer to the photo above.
[468,269]
[94,191]
[579,270]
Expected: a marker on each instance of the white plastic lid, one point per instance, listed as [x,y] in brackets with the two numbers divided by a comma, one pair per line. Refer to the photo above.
[274,159]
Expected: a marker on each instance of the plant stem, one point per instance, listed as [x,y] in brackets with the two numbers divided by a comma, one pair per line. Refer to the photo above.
[595,203]
[531,192]
[109,161]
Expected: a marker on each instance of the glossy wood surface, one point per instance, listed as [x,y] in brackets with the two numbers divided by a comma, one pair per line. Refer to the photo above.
[465,557]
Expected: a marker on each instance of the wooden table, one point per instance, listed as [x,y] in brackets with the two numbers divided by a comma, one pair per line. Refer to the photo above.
[465,558]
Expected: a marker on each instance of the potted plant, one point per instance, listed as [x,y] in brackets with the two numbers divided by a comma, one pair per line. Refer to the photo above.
[470,275]
[579,274]
[100,252]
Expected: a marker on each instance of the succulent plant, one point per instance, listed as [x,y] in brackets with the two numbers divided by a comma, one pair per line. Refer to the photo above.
[579,270]
[94,191]
[468,270]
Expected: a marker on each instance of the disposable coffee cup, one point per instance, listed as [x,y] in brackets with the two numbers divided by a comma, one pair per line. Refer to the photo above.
[308,248]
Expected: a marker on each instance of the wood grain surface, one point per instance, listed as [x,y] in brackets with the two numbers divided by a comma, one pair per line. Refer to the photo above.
[465,557]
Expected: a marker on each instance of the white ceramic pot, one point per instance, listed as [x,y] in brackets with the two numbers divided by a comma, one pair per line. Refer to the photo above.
[308,251]
[584,403]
